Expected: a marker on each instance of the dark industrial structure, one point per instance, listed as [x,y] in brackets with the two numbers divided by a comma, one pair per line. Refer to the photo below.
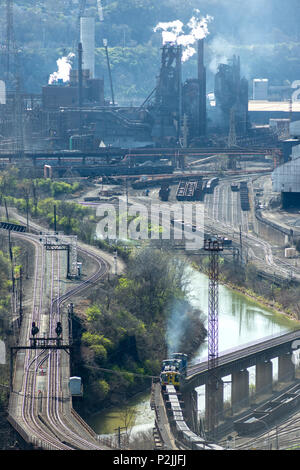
[231,93]
[74,115]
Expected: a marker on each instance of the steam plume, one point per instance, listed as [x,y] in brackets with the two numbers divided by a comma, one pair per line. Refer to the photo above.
[64,65]
[173,32]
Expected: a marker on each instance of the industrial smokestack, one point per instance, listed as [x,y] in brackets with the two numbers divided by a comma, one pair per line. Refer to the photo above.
[202,88]
[87,39]
[80,75]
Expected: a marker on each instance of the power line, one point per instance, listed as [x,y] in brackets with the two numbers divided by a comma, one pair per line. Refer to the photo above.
[111,371]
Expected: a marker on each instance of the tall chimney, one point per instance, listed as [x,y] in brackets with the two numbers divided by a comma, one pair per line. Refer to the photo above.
[202,88]
[80,75]
[87,39]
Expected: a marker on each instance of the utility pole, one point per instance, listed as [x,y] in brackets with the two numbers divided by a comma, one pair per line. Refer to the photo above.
[126,190]
[6,210]
[27,211]
[109,72]
[213,246]
[115,262]
[21,295]
[241,244]
[54,211]
[11,262]
[119,435]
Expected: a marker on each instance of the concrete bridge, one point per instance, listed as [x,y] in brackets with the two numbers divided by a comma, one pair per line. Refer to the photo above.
[235,362]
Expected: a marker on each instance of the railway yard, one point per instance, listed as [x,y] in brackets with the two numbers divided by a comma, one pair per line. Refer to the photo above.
[40,406]
[133,184]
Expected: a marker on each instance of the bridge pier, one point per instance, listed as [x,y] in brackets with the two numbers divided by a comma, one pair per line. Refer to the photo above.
[190,400]
[239,390]
[264,378]
[214,403]
[286,368]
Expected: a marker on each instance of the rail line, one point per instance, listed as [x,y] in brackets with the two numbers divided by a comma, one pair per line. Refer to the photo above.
[46,419]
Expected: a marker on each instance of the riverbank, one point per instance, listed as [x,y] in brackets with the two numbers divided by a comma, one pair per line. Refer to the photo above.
[242,277]
[242,320]
[273,306]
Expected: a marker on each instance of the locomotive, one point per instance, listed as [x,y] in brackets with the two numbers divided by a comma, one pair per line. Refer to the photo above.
[173,371]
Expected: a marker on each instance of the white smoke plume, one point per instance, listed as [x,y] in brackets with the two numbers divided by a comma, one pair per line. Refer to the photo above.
[221,50]
[64,65]
[174,32]
[100,10]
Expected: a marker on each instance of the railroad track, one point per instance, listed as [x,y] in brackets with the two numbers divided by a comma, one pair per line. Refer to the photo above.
[221,216]
[41,410]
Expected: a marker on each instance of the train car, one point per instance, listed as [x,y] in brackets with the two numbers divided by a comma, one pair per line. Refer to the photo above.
[173,370]
[170,390]
[234,187]
[180,427]
[183,360]
[75,386]
[177,415]
[199,191]
[181,191]
[91,198]
[191,439]
[244,196]
[170,378]
[164,192]
[226,241]
[190,190]
[211,184]
[213,447]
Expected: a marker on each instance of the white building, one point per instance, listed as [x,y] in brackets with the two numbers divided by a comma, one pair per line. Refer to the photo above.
[260,88]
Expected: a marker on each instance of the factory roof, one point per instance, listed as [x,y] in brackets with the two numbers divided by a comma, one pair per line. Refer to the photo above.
[280,106]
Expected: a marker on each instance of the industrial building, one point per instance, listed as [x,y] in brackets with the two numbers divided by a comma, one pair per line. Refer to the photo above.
[74,114]
[260,88]
[286,180]
[231,98]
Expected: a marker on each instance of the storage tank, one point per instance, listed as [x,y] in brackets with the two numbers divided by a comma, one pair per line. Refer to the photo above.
[75,386]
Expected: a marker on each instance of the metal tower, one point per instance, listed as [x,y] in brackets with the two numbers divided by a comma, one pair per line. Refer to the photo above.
[232,133]
[213,246]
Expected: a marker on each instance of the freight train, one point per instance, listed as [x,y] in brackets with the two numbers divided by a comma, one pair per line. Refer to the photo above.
[244,196]
[173,371]
[269,412]
[190,190]
[174,406]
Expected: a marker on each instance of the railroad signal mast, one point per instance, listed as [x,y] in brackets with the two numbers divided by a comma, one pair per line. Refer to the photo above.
[213,246]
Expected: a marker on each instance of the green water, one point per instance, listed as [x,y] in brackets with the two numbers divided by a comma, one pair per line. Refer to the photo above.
[240,321]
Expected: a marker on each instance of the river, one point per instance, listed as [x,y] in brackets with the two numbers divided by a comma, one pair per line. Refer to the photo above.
[240,321]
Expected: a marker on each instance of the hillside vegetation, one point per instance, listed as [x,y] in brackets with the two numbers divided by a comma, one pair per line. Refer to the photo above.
[132,323]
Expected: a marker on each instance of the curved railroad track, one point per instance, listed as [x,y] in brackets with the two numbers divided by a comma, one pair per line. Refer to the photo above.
[40,407]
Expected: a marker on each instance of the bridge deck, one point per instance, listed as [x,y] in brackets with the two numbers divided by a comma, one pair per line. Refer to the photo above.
[248,352]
